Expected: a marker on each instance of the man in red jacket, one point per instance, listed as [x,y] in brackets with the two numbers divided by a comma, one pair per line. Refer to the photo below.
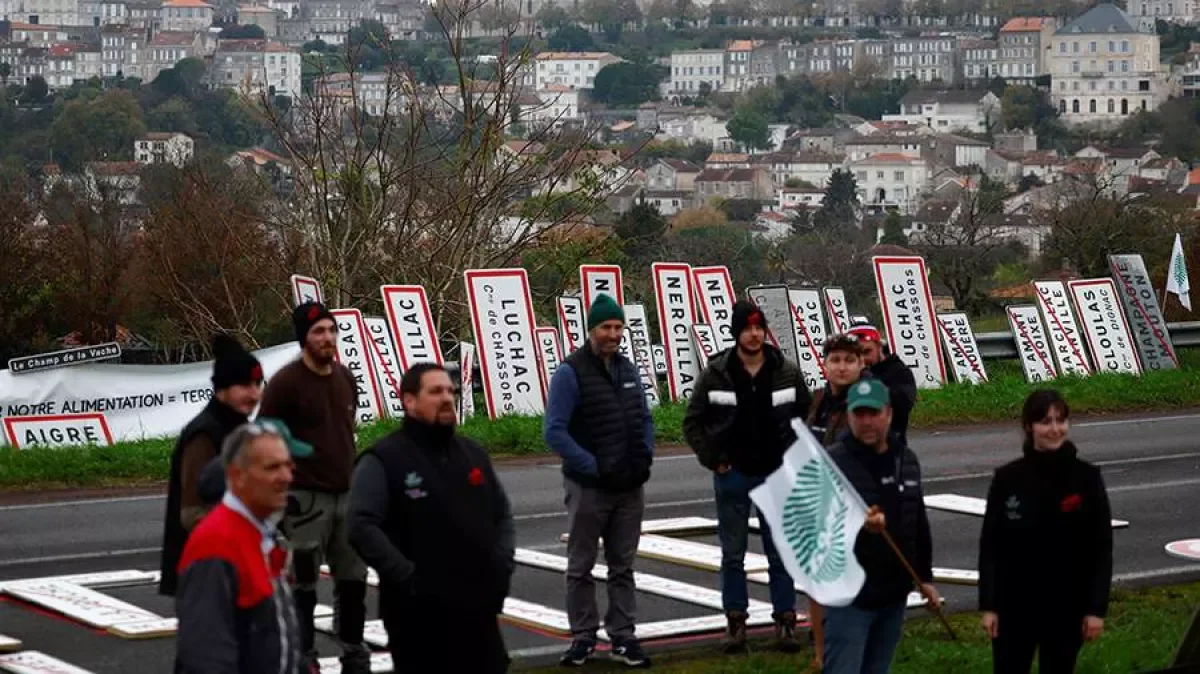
[236,612]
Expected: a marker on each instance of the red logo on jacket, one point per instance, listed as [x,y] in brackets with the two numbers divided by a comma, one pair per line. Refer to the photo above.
[1072,503]
[475,477]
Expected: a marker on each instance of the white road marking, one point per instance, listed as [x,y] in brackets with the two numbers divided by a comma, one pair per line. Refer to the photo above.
[84,502]
[1140,420]
[103,554]
[1156,573]
[1153,485]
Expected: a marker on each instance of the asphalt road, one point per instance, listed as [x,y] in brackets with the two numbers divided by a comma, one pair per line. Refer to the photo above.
[1151,465]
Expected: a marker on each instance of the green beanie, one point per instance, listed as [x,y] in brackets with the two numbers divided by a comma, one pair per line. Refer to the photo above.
[604,308]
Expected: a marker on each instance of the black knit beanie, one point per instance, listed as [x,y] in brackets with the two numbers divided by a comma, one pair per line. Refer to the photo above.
[306,315]
[233,365]
[746,313]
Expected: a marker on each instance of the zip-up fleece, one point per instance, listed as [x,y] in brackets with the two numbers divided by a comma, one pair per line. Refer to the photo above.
[236,613]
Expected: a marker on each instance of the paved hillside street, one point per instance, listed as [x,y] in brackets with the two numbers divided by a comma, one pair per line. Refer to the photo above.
[1151,465]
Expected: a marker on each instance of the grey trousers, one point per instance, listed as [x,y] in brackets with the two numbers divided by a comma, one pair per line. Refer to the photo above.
[616,518]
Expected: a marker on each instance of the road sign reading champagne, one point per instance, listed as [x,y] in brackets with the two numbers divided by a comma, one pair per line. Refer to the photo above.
[412,326]
[573,322]
[1033,346]
[549,350]
[839,311]
[1065,338]
[1145,316]
[810,335]
[600,279]
[676,315]
[387,365]
[638,331]
[909,317]
[354,351]
[965,360]
[306,289]
[714,289]
[502,315]
[1104,325]
[776,306]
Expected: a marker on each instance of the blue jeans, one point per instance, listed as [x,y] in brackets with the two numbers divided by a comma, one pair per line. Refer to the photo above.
[861,641]
[733,528]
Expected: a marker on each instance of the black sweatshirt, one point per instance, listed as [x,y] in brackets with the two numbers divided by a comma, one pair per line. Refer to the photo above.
[1047,538]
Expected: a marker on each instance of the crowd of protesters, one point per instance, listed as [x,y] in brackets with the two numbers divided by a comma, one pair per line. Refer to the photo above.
[256,509]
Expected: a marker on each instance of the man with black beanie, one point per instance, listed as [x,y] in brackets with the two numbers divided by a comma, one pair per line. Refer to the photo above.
[739,423]
[237,387]
[598,421]
[316,397]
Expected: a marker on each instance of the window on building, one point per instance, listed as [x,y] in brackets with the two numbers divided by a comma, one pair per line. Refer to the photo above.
[1124,46]
[1074,66]
[1074,47]
[1092,47]
[898,176]
[1062,106]
[1112,106]
[1143,85]
[1124,66]
[1075,106]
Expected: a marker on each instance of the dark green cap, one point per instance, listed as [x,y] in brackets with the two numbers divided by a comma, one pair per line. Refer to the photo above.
[604,308]
[297,448]
[867,392]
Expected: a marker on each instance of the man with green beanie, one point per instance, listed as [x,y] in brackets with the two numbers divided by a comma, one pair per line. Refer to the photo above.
[598,421]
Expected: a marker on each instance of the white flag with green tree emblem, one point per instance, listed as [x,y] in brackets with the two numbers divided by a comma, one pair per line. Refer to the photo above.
[815,516]
[1177,276]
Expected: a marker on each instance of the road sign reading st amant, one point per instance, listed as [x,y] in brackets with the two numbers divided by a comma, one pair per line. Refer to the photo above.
[64,358]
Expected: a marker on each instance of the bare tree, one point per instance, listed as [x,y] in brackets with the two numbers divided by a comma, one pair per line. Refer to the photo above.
[415,182]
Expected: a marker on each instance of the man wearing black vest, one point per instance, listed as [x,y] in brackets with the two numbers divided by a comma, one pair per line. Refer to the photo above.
[863,636]
[237,387]
[428,514]
[598,421]
[739,423]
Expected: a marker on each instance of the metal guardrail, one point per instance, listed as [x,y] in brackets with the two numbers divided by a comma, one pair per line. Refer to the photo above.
[1000,345]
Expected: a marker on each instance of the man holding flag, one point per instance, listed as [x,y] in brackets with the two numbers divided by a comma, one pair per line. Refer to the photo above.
[1177,276]
[818,506]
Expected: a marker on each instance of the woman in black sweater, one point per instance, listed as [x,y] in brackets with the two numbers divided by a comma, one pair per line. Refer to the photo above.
[1045,556]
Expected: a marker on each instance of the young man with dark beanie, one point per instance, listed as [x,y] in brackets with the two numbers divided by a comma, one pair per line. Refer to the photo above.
[598,421]
[237,387]
[739,423]
[429,514]
[316,397]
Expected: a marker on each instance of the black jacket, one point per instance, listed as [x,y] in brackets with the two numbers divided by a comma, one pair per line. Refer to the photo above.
[217,420]
[891,481]
[902,389]
[828,418]
[746,423]
[428,513]
[1047,537]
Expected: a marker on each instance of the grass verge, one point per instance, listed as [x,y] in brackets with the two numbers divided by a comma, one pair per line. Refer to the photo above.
[997,401]
[1143,631]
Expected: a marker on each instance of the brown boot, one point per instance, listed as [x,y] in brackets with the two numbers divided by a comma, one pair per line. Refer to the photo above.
[785,632]
[735,633]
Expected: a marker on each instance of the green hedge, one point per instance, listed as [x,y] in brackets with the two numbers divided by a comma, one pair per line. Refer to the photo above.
[997,401]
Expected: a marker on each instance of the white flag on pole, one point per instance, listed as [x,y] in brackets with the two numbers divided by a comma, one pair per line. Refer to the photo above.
[1177,276]
[815,516]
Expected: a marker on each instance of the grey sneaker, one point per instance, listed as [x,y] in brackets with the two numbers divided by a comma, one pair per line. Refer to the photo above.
[629,653]
[735,633]
[785,632]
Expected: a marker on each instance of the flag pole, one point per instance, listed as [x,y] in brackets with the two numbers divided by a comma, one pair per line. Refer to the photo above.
[937,610]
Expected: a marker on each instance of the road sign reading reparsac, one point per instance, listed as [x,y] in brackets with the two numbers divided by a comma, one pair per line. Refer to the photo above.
[1145,316]
[714,289]
[839,311]
[1033,346]
[776,306]
[963,350]
[407,309]
[600,279]
[572,318]
[676,315]
[638,330]
[909,317]
[502,315]
[810,335]
[1104,325]
[306,289]
[353,351]
[387,365]
[1065,337]
[64,358]
[57,430]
